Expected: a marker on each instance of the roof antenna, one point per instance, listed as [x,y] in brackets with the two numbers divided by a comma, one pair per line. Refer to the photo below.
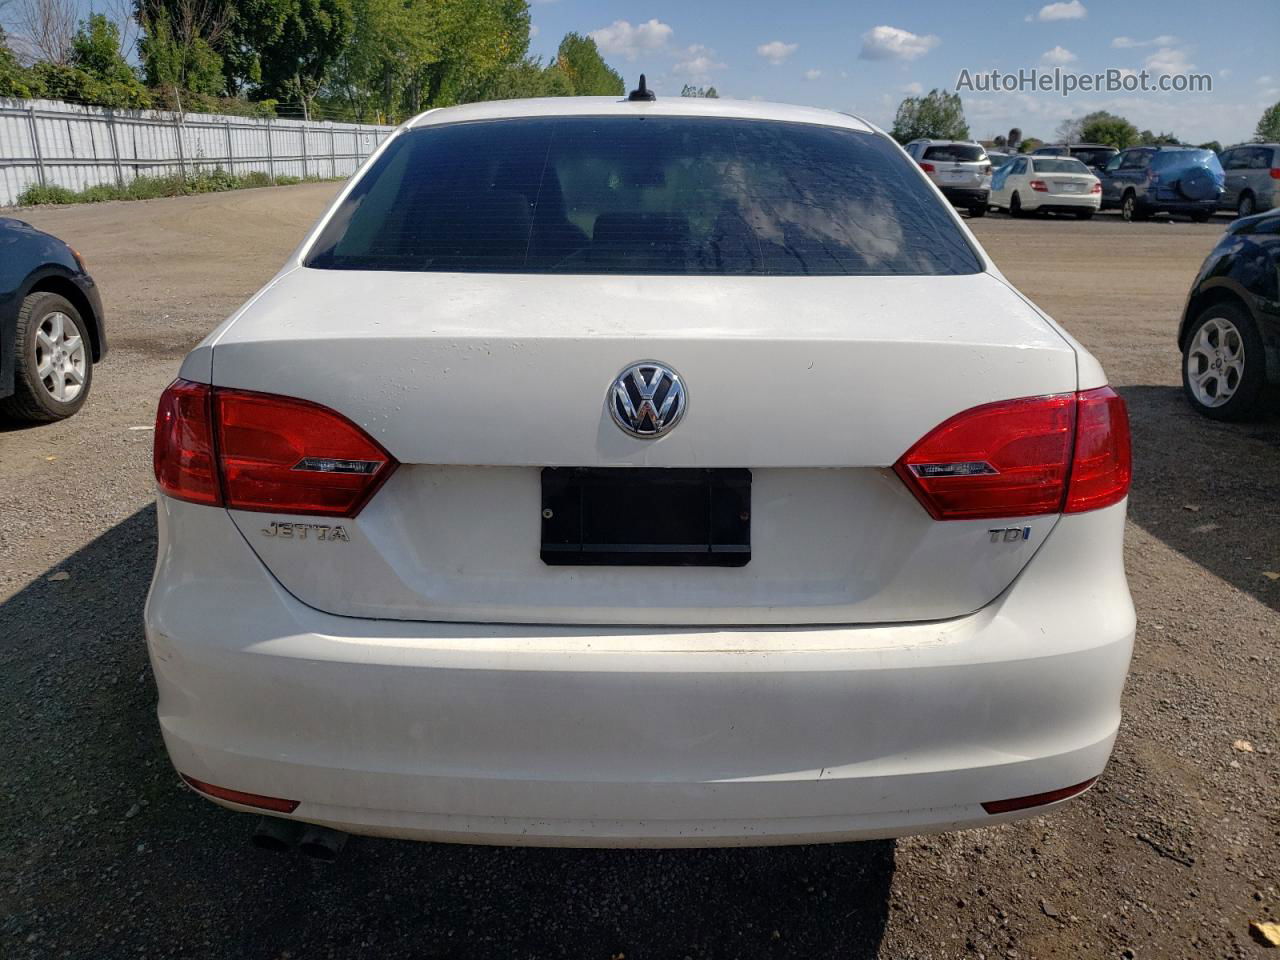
[641,92]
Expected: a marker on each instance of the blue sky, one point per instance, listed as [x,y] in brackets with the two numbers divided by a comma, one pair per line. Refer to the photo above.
[865,57]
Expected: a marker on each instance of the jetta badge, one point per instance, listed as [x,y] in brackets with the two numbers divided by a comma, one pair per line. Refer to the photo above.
[647,399]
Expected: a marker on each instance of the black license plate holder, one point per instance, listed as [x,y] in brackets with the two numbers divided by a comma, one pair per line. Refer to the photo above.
[650,517]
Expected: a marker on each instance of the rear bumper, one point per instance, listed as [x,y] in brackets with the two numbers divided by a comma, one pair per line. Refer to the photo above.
[1178,206]
[965,196]
[637,736]
[1062,201]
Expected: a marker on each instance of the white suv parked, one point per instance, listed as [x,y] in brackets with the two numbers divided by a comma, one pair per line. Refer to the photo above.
[640,473]
[960,168]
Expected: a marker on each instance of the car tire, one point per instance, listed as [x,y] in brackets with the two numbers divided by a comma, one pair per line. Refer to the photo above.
[1015,206]
[1223,364]
[1247,206]
[51,335]
[978,210]
[1084,214]
[1130,212]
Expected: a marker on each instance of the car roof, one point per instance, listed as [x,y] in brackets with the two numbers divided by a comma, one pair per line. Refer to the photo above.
[616,107]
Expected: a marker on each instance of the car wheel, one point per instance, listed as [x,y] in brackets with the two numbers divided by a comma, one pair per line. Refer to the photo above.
[1129,210]
[1084,214]
[1015,206]
[54,361]
[1247,206]
[1223,369]
[978,210]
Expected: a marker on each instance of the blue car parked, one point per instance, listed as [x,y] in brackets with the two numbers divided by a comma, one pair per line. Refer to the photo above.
[1143,181]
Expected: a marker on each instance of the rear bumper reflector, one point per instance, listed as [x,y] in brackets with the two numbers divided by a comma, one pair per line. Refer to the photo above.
[1037,799]
[275,804]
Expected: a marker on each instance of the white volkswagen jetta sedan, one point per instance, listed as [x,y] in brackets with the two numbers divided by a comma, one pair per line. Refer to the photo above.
[641,474]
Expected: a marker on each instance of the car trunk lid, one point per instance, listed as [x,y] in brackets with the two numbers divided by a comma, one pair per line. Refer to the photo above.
[815,385]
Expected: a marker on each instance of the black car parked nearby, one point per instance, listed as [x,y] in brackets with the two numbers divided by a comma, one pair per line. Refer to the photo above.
[1142,181]
[51,327]
[1230,329]
[1092,155]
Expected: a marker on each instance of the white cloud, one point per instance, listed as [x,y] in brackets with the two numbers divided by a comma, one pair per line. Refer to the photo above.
[1070,10]
[533,30]
[1168,60]
[1264,80]
[1128,43]
[697,63]
[1224,72]
[812,74]
[892,43]
[913,89]
[629,41]
[776,52]
[1058,56]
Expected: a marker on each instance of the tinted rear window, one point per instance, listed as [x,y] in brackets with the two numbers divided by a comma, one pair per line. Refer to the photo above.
[1058,165]
[956,152]
[633,195]
[1185,158]
[1095,157]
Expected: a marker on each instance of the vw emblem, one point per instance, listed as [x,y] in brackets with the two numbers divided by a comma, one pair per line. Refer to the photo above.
[647,399]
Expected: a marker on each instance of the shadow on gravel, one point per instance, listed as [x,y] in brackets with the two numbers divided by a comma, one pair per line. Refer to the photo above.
[1210,490]
[104,854]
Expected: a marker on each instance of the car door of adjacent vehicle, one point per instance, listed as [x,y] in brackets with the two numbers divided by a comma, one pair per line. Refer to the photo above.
[1234,163]
[1256,175]
[1001,188]
[1112,187]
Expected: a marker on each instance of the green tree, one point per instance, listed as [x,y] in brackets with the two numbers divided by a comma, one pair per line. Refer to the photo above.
[939,115]
[179,46]
[579,60]
[108,80]
[1213,145]
[14,80]
[688,90]
[1149,139]
[295,62]
[477,40]
[1103,127]
[1268,130]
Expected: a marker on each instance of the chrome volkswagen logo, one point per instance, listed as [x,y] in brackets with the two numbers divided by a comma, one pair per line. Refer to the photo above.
[647,399]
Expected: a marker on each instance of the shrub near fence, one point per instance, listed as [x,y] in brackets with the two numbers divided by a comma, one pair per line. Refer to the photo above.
[53,144]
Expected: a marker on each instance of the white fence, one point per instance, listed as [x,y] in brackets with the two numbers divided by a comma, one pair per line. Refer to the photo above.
[50,142]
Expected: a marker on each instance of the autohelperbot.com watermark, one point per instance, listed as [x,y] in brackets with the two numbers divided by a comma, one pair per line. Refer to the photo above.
[1067,82]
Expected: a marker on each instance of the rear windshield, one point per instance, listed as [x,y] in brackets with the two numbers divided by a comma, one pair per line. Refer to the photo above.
[634,195]
[956,152]
[1094,156]
[1058,165]
[1184,158]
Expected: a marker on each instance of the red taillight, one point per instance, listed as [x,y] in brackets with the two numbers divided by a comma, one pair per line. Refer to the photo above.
[276,804]
[183,451]
[1096,188]
[1038,799]
[292,456]
[1275,173]
[926,167]
[1020,458]
[1039,186]
[1006,459]
[1102,465]
[259,451]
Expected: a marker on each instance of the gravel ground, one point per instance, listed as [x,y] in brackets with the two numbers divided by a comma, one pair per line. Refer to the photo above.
[102,854]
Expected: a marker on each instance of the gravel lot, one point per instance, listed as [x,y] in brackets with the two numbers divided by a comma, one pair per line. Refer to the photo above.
[102,854]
